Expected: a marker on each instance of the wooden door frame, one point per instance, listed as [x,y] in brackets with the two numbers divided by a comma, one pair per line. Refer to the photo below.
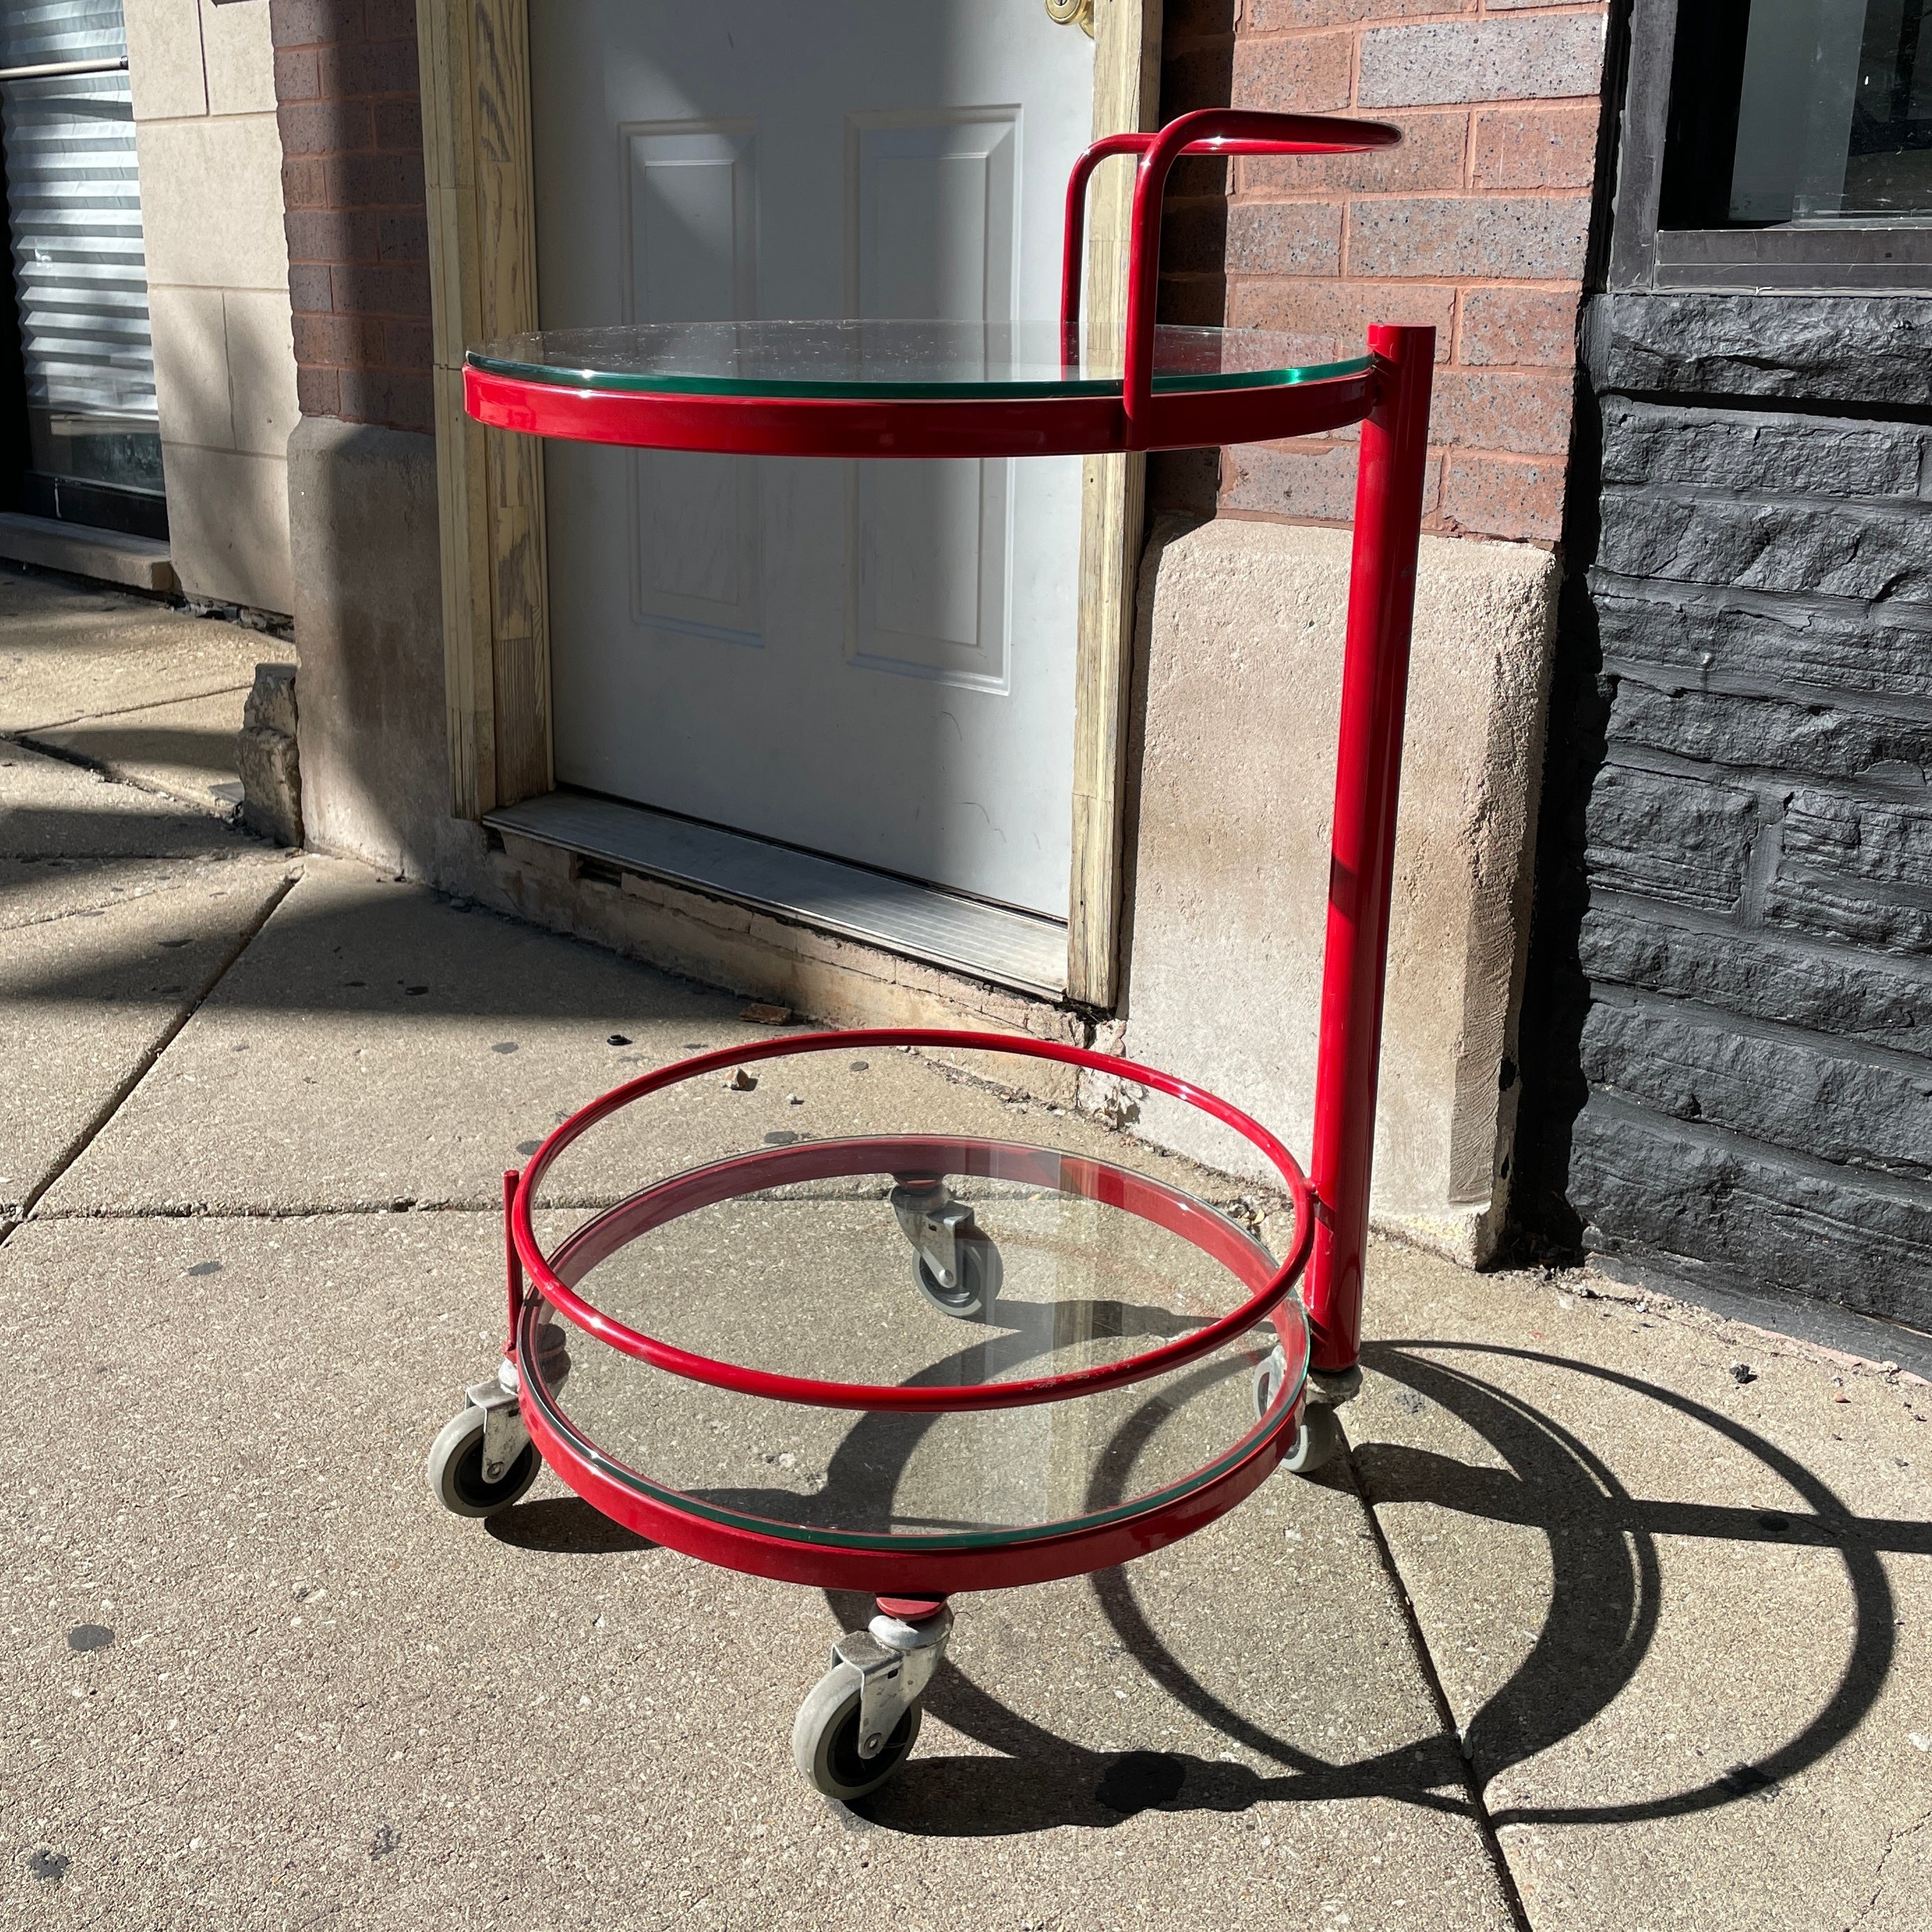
[478,166]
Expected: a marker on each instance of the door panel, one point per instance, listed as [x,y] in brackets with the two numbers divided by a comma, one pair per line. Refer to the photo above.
[932,203]
[691,256]
[873,660]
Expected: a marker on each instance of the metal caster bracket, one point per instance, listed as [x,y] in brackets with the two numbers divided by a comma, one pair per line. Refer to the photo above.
[889,1663]
[935,1224]
[505,1438]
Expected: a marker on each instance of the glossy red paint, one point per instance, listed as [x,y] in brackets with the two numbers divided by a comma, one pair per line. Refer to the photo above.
[1361,874]
[556,1276]
[1391,401]
[836,426]
[1211,131]
[513,1266]
[929,1573]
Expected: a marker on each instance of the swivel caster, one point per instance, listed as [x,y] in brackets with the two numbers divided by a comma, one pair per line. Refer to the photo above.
[483,1460]
[1317,1442]
[1319,1439]
[858,1723]
[954,1265]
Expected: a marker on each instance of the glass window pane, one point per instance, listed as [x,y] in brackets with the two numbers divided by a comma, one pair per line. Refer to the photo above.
[80,266]
[1835,119]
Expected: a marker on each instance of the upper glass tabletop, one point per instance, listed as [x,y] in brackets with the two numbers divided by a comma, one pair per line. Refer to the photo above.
[876,361]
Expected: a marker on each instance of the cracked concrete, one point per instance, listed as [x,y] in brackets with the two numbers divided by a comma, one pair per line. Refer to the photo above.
[1679,1611]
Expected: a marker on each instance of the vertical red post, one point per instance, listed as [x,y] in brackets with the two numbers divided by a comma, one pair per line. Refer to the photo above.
[1361,872]
[513,1263]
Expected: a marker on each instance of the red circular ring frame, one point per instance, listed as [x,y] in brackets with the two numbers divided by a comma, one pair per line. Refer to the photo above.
[871,1396]
[928,1571]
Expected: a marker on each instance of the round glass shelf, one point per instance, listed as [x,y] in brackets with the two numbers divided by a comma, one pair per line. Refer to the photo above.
[933,361]
[909,388]
[933,1310]
[822,1274]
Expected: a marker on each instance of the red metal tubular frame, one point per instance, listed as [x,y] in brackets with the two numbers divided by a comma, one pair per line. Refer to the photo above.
[1391,401]
[1032,426]
[812,1160]
[911,1572]
[1361,876]
[835,426]
[1210,131]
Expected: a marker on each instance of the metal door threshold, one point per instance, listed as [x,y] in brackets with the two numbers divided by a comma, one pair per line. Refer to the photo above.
[1022,950]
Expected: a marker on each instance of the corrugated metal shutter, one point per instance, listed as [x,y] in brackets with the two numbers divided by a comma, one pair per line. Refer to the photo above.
[80,271]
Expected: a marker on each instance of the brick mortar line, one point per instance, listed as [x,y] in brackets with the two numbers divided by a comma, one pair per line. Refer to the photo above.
[1672,679]
[1896,613]
[150,1058]
[1866,509]
[1864,1050]
[1357,29]
[1462,284]
[1632,754]
[1669,913]
[1902,1189]
[1321,197]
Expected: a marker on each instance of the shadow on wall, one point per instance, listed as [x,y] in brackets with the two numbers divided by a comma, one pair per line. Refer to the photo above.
[1556,991]
[1197,69]
[372,715]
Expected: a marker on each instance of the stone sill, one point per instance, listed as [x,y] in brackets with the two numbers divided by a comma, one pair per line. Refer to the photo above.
[110,556]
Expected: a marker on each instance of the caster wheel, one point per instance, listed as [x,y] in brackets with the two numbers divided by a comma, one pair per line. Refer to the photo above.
[971,1299]
[455,1469]
[825,1741]
[1317,1442]
[1268,1373]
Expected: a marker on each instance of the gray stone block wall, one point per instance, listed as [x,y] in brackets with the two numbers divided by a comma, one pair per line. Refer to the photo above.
[1742,840]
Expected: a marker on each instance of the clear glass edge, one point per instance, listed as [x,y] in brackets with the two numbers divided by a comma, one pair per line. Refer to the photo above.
[682,1504]
[549,376]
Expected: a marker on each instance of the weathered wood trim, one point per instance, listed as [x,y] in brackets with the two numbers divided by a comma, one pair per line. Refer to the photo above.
[1127,96]
[480,199]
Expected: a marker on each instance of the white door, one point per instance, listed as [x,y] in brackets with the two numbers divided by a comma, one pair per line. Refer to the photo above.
[870,660]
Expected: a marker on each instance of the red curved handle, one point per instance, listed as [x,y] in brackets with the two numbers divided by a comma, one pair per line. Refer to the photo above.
[1211,131]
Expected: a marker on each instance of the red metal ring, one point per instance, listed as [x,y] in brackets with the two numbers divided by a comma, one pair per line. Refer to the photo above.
[882,1395]
[926,1566]
[859,426]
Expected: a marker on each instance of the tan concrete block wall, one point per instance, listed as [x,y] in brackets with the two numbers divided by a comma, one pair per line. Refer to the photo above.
[1241,630]
[202,77]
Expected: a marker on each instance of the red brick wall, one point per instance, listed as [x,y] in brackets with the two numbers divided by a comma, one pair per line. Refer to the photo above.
[353,196]
[1476,224]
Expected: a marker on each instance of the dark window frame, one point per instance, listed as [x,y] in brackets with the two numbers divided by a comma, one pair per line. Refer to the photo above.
[1647,256]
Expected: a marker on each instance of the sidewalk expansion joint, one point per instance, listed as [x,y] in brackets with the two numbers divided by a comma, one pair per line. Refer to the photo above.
[150,1058]
[119,774]
[20,732]
[1445,1714]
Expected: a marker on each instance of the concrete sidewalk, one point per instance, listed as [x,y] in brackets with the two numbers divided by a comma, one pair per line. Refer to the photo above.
[1617,1615]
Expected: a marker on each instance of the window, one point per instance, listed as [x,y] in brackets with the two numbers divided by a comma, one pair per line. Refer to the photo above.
[1777,143]
[76,365]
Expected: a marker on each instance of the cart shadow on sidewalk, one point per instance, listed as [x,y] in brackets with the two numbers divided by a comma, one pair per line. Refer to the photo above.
[1605,1607]
[563,1526]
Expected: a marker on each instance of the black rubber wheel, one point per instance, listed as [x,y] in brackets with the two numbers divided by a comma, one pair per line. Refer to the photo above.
[978,1284]
[455,1469]
[825,1741]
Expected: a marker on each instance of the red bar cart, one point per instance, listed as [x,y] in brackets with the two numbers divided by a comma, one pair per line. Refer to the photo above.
[1083,1361]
